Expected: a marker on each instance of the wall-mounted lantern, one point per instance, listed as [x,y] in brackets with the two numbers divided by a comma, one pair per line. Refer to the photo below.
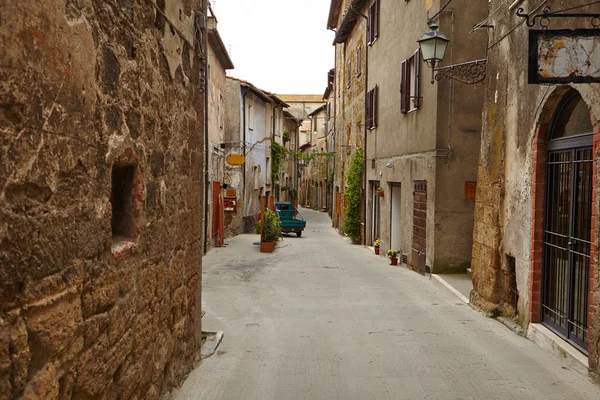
[433,46]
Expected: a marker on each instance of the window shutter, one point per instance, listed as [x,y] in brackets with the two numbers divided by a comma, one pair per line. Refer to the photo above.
[417,99]
[376,24]
[403,87]
[369,25]
[375,106]
[369,111]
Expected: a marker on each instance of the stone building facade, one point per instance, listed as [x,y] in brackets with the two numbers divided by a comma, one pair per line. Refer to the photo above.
[534,258]
[102,121]
[349,93]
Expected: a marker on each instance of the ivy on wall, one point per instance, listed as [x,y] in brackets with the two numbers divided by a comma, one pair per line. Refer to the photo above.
[353,194]
[278,153]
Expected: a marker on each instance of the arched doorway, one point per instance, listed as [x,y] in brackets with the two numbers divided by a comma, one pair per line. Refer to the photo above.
[568,221]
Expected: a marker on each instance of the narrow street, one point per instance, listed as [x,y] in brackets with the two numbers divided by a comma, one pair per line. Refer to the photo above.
[323,319]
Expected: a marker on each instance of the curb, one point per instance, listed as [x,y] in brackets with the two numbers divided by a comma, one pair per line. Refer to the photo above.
[452,289]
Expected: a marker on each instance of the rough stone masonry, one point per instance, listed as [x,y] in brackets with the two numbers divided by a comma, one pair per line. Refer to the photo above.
[101,137]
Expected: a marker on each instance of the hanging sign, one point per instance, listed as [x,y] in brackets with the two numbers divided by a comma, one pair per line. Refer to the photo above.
[235,159]
[564,56]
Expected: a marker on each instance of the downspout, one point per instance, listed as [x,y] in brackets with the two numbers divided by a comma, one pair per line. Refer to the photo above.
[206,97]
[335,81]
[364,216]
[244,148]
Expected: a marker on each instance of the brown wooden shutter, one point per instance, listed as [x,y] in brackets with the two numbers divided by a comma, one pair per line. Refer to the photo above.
[376,24]
[215,207]
[369,111]
[403,88]
[375,107]
[370,26]
[417,85]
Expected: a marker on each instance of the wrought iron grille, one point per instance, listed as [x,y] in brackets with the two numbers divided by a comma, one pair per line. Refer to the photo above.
[567,243]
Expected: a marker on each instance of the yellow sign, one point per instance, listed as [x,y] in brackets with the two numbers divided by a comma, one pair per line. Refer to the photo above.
[428,5]
[235,159]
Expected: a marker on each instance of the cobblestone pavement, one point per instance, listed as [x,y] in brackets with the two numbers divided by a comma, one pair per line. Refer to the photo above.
[323,319]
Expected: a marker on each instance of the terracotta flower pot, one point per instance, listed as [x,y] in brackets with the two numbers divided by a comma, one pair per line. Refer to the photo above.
[394,261]
[380,193]
[377,250]
[267,247]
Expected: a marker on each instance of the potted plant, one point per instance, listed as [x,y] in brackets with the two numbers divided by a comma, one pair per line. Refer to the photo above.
[393,256]
[270,231]
[379,190]
[376,244]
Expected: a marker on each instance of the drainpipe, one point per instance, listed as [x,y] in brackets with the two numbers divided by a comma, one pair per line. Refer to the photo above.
[206,180]
[335,80]
[365,127]
[244,147]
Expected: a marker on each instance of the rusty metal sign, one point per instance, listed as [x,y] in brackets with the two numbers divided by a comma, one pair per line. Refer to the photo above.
[564,56]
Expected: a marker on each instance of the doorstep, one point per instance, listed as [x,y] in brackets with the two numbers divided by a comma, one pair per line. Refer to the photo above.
[459,284]
[552,343]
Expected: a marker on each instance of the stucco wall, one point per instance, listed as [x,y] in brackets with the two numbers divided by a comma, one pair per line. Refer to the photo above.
[234,175]
[216,132]
[87,85]
[438,142]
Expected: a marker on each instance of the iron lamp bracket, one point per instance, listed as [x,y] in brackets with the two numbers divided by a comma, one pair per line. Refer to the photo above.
[471,72]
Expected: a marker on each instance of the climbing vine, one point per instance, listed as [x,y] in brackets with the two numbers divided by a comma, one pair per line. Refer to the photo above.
[278,153]
[330,181]
[353,195]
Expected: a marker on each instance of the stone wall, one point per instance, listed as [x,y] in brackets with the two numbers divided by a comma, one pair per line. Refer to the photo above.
[90,307]
[510,194]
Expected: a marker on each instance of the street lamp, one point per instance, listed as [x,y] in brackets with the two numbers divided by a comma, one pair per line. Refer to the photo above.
[433,46]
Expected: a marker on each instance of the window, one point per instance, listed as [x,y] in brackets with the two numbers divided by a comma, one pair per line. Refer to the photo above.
[349,74]
[121,200]
[359,61]
[250,115]
[372,105]
[410,93]
[373,23]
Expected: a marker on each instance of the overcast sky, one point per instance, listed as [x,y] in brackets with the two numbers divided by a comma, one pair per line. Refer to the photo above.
[282,46]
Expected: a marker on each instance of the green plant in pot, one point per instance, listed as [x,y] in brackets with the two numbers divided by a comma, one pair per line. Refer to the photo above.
[270,231]
[376,244]
[393,256]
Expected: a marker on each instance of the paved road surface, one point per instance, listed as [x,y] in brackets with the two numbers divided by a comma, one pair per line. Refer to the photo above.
[323,319]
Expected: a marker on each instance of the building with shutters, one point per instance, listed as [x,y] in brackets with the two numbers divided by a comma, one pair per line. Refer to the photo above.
[422,139]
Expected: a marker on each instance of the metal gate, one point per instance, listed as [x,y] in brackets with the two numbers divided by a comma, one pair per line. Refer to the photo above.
[419,225]
[567,231]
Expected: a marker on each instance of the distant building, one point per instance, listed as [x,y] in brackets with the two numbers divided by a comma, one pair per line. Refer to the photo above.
[219,62]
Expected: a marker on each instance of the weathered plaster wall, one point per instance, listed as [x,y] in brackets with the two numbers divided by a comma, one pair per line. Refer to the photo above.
[85,84]
[216,130]
[233,144]
[503,213]
[458,130]
[258,147]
